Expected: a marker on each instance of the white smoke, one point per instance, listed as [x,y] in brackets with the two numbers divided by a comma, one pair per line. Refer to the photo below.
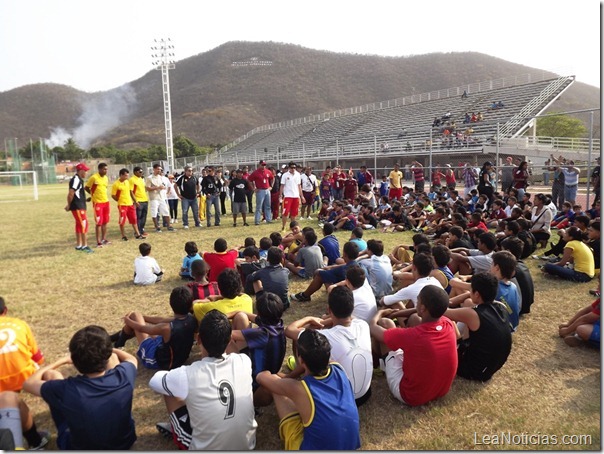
[99,115]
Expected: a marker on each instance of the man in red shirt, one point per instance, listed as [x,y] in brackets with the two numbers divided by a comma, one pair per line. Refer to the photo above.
[421,360]
[220,259]
[337,183]
[261,181]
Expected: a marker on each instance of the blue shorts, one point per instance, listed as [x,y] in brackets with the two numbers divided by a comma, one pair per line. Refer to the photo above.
[333,275]
[147,350]
[594,339]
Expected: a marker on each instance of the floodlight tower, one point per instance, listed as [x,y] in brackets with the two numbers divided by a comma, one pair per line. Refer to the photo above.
[162,55]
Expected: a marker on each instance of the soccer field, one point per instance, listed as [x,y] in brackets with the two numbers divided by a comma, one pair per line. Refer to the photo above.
[546,388]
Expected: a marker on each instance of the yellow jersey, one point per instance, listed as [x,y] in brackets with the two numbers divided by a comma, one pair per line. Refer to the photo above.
[98,188]
[19,353]
[138,188]
[122,190]
[242,302]
[395,178]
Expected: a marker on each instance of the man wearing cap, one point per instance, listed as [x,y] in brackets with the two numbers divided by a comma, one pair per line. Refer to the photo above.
[186,188]
[210,187]
[76,203]
[261,181]
[158,197]
[96,186]
[291,194]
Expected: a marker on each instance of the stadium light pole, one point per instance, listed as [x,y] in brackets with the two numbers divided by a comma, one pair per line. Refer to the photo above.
[162,55]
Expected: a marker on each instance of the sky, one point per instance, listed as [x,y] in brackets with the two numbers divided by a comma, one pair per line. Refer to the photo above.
[99,45]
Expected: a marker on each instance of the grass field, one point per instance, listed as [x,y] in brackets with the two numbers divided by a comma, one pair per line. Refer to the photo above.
[546,387]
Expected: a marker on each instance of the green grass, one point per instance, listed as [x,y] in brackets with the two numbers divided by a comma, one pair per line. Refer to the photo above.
[545,388]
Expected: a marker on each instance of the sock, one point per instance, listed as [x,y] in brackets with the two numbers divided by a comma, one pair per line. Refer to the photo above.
[32,436]
[11,420]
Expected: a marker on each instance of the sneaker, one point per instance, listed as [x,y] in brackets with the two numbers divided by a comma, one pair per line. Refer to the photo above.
[124,238]
[44,438]
[87,250]
[175,221]
[290,362]
[158,230]
[140,237]
[78,248]
[170,229]
[309,218]
[186,227]
[300,297]
[99,245]
[573,340]
[594,292]
[164,428]
[105,242]
[245,224]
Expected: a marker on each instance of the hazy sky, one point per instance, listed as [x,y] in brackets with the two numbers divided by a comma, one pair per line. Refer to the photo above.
[100,45]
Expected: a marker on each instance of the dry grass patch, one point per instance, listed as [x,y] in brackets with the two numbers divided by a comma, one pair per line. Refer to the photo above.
[545,387]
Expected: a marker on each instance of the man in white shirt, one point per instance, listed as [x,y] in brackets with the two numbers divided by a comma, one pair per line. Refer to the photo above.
[210,402]
[365,305]
[158,201]
[309,184]
[421,269]
[349,338]
[291,194]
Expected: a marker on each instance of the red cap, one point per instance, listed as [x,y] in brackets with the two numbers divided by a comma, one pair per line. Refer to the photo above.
[82,166]
[262,163]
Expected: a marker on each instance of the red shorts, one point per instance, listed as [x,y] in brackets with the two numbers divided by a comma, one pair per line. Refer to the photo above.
[81,224]
[127,212]
[101,213]
[291,206]
[395,193]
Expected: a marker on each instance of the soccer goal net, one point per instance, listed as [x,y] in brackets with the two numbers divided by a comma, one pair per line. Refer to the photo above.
[16,186]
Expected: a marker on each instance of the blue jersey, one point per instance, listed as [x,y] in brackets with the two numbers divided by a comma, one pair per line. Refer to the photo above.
[334,424]
[508,295]
[267,347]
[384,188]
[331,246]
[186,264]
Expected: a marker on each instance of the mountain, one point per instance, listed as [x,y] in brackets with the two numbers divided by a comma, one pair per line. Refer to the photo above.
[215,100]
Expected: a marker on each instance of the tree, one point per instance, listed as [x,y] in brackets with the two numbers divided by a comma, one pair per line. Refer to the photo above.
[560,126]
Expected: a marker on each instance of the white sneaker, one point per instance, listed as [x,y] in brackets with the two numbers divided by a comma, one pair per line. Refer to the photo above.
[186,227]
[309,218]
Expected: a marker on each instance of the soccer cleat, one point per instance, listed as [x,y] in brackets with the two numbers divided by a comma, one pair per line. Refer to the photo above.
[300,297]
[594,292]
[164,428]
[44,438]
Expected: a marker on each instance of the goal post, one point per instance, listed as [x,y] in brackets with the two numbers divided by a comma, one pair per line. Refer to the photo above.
[18,185]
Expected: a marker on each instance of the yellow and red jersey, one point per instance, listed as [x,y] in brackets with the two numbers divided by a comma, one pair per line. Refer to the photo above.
[121,189]
[98,188]
[138,188]
[19,353]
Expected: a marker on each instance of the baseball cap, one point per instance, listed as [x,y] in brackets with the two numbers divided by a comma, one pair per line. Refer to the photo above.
[82,166]
[263,162]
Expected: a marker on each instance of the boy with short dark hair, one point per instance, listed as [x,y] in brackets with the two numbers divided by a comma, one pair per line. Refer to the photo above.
[273,277]
[146,269]
[200,287]
[192,255]
[487,342]
[504,268]
[163,342]
[250,263]
[309,257]
[317,412]
[231,298]
[92,410]
[220,259]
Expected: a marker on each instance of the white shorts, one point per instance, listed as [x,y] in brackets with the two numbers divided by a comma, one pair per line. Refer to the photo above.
[159,205]
[392,365]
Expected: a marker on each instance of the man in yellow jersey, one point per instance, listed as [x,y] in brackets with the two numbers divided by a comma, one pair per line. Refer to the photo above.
[396,188]
[121,192]
[137,183]
[97,186]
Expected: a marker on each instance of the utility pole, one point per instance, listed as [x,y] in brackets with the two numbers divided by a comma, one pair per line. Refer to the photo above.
[162,55]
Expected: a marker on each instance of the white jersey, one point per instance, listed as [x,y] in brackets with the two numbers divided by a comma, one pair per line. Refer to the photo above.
[218,395]
[145,270]
[291,184]
[351,348]
[364,302]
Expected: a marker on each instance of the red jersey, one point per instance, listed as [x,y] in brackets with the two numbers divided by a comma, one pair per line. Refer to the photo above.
[418,173]
[480,225]
[498,214]
[202,291]
[351,188]
[338,180]
[430,361]
[219,261]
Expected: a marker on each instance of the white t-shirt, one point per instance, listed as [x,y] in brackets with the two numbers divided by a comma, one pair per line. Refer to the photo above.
[411,291]
[309,182]
[358,365]
[291,184]
[156,180]
[364,302]
[145,270]
[219,399]
[480,261]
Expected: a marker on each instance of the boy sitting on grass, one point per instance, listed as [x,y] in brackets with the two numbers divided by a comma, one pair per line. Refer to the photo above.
[308,259]
[164,342]
[261,336]
[419,361]
[486,335]
[583,327]
[92,410]
[200,288]
[146,269]
[231,298]
[317,412]
[272,278]
[192,255]
[220,259]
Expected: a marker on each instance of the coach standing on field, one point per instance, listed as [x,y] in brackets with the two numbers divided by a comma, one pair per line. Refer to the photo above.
[76,203]
[187,190]
[261,181]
